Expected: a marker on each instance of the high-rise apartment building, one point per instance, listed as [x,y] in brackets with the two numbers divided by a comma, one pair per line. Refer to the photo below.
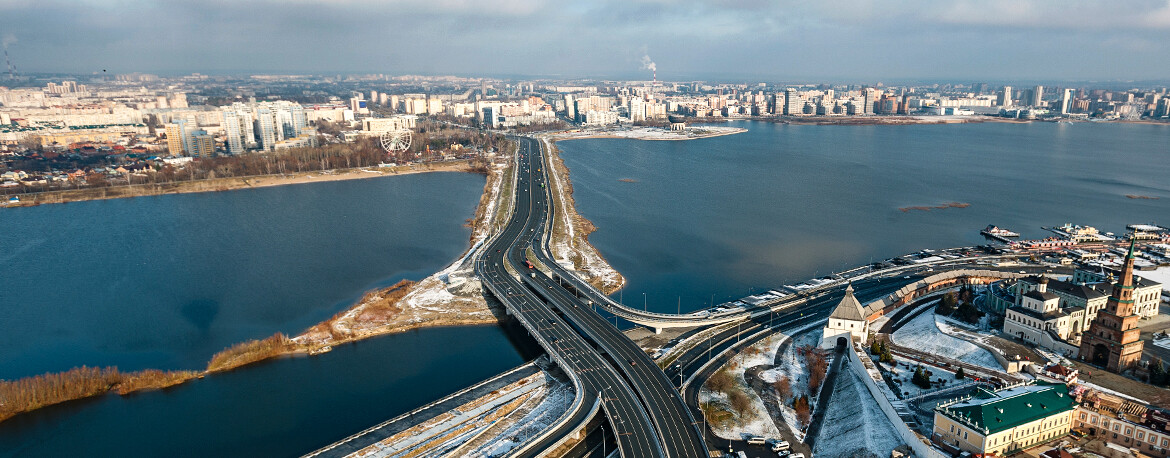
[1065,97]
[202,144]
[869,96]
[1037,96]
[175,133]
[1005,97]
[265,126]
[793,102]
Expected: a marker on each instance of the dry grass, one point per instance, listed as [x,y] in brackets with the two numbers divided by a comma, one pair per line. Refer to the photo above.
[245,353]
[31,393]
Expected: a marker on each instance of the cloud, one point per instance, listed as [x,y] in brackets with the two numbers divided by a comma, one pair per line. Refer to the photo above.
[860,40]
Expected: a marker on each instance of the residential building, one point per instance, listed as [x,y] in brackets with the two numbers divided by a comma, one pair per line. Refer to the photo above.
[1005,97]
[1004,421]
[202,144]
[265,127]
[176,137]
[793,103]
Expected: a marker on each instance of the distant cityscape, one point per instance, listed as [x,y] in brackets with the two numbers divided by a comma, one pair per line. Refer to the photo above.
[55,132]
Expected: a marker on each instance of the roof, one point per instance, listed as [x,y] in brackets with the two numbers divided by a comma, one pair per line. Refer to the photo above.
[1037,315]
[848,308]
[1042,296]
[996,411]
[1074,289]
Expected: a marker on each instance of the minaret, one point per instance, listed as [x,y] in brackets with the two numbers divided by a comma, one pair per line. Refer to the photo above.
[1112,339]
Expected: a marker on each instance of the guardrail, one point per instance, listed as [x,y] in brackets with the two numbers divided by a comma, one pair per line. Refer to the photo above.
[663,320]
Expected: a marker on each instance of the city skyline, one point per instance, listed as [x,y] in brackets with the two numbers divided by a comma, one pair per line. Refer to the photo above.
[846,40]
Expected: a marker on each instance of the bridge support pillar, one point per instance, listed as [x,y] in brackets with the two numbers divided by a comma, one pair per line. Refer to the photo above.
[658,330]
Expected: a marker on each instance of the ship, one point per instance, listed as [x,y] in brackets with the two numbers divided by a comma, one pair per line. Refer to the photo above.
[994,231]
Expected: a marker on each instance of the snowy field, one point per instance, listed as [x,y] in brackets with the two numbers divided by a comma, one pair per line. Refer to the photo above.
[758,422]
[923,334]
[854,423]
[904,372]
[792,366]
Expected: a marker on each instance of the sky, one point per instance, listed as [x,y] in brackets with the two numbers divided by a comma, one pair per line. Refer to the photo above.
[768,40]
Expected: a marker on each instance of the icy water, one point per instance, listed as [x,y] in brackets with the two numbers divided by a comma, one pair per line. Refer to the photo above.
[717,218]
[165,282]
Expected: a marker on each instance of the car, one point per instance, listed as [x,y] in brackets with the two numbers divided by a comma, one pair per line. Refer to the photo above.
[779,445]
[756,440]
[633,363]
[796,455]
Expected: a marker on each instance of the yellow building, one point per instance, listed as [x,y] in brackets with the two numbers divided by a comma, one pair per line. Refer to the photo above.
[175,139]
[1004,421]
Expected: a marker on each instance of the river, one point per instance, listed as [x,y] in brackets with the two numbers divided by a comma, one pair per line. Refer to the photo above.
[715,219]
[166,281]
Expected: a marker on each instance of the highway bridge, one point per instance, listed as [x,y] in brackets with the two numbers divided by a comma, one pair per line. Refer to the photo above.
[646,418]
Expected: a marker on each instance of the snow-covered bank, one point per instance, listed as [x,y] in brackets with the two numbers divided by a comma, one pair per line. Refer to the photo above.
[570,235]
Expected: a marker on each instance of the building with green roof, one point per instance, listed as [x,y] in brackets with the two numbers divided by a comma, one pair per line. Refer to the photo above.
[1006,420]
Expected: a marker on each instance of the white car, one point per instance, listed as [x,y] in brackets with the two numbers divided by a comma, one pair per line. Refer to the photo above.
[780,445]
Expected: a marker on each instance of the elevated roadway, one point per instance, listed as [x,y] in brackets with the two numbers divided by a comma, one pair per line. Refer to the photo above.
[501,266]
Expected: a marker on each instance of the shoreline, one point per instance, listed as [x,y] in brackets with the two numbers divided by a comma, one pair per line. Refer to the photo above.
[231,183]
[400,308]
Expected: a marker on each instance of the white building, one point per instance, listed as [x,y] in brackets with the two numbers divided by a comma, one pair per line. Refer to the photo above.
[847,322]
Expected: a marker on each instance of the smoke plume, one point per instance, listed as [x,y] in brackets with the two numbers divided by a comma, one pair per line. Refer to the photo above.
[648,64]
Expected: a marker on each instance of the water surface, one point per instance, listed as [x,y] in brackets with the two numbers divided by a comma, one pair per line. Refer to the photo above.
[713,219]
[166,281]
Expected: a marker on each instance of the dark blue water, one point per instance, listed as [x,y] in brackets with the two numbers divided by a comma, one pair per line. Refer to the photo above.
[285,407]
[779,204]
[165,282]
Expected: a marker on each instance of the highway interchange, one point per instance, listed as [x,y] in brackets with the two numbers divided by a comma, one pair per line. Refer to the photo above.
[648,412]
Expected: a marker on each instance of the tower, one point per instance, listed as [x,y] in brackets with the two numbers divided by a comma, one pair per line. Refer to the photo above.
[847,322]
[1113,339]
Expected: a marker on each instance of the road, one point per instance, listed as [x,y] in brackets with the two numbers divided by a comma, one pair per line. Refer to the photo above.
[594,375]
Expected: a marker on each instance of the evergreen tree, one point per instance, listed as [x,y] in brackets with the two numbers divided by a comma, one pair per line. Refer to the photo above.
[946,305]
[920,378]
[959,373]
[1157,373]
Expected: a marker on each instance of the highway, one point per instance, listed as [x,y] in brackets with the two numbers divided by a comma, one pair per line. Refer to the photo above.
[642,404]
[592,373]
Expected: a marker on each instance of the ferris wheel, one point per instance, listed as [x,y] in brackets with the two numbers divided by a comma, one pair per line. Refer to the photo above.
[395,141]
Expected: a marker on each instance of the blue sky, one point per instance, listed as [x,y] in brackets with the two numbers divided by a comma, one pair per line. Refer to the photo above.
[779,40]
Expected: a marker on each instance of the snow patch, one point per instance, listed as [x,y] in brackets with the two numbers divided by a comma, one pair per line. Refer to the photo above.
[924,333]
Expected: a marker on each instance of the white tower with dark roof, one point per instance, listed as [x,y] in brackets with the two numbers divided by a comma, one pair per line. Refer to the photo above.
[848,321]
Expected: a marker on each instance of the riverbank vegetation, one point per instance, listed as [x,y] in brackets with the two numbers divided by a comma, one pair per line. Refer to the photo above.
[44,390]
